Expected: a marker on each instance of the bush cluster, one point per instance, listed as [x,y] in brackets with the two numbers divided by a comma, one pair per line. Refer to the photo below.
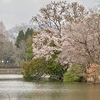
[36,68]
[74,73]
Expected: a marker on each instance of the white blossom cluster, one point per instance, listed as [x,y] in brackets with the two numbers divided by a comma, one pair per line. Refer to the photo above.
[41,43]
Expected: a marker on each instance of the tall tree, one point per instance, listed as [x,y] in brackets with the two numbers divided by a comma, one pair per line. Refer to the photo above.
[28,33]
[55,14]
[83,42]
[20,37]
[3,30]
[6,50]
[23,49]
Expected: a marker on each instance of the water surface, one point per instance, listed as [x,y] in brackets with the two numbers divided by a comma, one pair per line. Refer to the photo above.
[20,90]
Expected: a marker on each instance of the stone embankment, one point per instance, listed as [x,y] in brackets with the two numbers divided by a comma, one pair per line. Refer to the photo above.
[10,70]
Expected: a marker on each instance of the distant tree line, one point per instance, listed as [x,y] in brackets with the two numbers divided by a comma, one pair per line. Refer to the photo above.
[14,53]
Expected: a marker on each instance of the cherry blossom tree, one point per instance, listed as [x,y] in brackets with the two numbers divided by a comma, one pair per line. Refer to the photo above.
[45,43]
[55,14]
[83,42]
[79,42]
[79,45]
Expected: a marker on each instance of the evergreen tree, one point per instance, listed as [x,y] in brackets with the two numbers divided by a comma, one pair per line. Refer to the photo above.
[29,52]
[28,33]
[20,37]
[24,45]
[29,40]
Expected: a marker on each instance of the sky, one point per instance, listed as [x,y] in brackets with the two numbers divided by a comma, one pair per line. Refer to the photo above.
[15,12]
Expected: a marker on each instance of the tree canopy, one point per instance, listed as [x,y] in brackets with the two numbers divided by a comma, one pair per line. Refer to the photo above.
[56,14]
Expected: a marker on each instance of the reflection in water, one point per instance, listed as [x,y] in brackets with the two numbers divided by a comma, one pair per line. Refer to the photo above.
[20,90]
[93,92]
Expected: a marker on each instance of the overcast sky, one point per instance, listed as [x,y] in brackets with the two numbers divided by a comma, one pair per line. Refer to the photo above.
[15,12]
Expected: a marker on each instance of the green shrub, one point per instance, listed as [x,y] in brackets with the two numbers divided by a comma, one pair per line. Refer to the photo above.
[74,73]
[34,69]
[55,70]
[26,71]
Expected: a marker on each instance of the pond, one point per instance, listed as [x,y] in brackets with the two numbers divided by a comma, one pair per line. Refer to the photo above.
[12,87]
